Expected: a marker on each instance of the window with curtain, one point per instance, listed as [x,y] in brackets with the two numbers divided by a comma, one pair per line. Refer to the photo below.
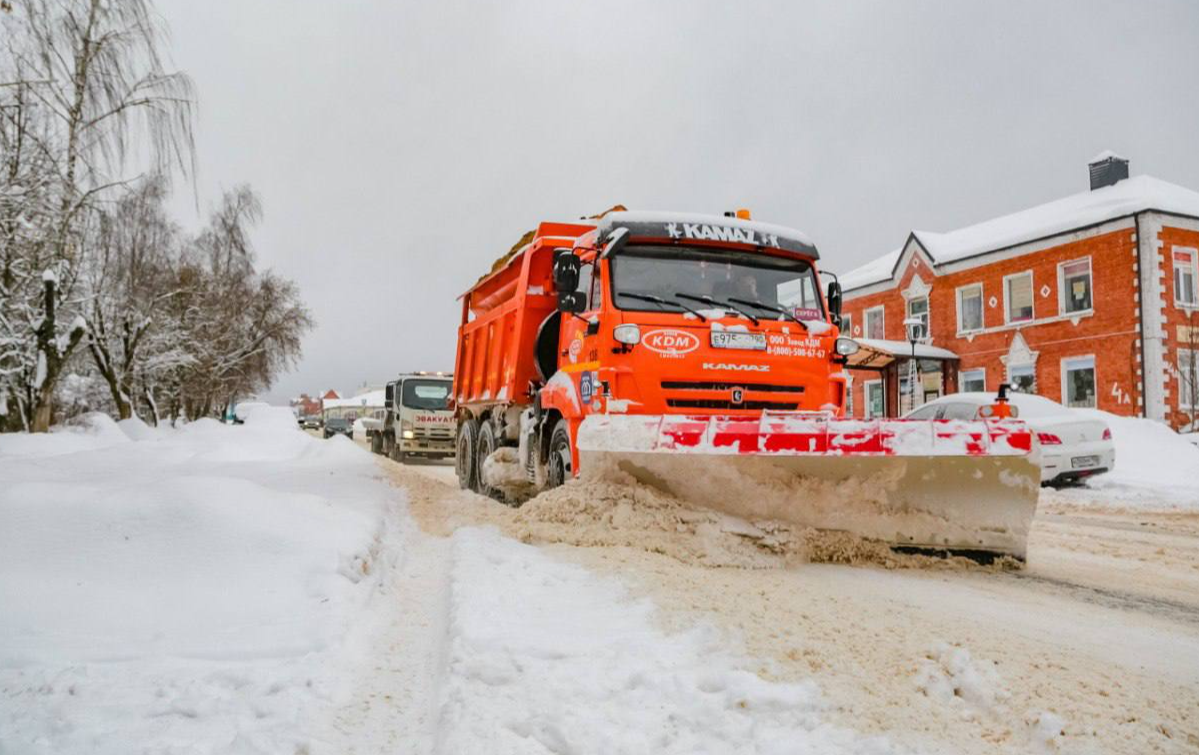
[970,308]
[1018,297]
[1075,294]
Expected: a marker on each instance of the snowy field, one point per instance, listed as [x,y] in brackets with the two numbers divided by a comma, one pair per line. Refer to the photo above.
[218,589]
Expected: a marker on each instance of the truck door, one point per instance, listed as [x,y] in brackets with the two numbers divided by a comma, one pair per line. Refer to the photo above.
[579,342]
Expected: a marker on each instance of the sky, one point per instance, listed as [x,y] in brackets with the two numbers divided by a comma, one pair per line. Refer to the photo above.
[400,147]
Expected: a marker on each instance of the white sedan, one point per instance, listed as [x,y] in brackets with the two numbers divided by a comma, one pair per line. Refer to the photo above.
[1073,445]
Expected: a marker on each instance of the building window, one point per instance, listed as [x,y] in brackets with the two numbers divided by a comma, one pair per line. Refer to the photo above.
[1022,378]
[1186,278]
[1078,382]
[874,325]
[875,405]
[973,381]
[1074,286]
[1188,379]
[1017,297]
[849,395]
[970,308]
[847,325]
[918,309]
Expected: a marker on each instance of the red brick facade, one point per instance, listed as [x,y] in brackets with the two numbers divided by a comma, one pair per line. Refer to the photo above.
[1110,333]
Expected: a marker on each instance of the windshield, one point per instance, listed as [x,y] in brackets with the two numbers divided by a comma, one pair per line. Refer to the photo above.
[430,395]
[643,274]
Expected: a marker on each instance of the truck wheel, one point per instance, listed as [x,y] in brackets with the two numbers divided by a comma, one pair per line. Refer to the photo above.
[558,467]
[376,443]
[464,461]
[487,444]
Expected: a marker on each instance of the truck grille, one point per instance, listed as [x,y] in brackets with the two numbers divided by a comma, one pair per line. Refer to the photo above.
[690,385]
[438,433]
[705,403]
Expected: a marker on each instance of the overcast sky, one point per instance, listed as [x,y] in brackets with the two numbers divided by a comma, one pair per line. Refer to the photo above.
[399,148]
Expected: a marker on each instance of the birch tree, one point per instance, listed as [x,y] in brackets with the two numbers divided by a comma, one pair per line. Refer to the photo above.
[93,72]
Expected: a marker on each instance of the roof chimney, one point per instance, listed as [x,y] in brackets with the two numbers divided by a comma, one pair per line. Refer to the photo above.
[1107,168]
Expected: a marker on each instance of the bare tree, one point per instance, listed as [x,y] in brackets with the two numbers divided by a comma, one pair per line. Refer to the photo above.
[94,72]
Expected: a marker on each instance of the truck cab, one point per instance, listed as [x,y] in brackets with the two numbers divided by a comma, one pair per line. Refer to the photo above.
[418,421]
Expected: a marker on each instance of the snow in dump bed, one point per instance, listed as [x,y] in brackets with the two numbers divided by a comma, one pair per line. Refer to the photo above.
[546,657]
[1155,466]
[1060,216]
[179,590]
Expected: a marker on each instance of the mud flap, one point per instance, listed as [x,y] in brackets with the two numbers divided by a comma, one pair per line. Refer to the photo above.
[960,486]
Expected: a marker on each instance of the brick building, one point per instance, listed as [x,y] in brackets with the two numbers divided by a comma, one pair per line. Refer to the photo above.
[1091,300]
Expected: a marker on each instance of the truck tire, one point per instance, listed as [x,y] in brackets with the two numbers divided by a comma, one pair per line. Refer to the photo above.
[558,466]
[376,443]
[464,460]
[487,444]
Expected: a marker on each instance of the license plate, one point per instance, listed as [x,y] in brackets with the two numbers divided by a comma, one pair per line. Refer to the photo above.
[724,339]
[1082,462]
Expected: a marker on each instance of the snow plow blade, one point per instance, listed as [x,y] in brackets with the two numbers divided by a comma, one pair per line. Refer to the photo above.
[964,486]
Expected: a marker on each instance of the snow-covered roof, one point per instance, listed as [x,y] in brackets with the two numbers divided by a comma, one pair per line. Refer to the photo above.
[373,398]
[1106,154]
[904,348]
[1060,216]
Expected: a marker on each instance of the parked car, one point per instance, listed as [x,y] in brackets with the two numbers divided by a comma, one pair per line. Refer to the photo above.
[242,410]
[339,426]
[1073,444]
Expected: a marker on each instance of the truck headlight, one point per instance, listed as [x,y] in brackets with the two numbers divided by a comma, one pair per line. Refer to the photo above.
[846,346]
[628,333]
[407,435]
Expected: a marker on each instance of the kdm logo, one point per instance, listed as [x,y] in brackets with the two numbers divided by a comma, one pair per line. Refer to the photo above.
[737,367]
[670,342]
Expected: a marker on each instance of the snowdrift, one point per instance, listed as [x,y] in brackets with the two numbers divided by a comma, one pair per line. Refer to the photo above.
[170,586]
[1155,466]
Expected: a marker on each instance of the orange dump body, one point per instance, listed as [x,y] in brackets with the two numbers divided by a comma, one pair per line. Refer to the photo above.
[501,316]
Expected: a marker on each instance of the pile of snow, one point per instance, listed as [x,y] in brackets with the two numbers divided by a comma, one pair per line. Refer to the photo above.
[180,589]
[950,675]
[547,657]
[1155,466]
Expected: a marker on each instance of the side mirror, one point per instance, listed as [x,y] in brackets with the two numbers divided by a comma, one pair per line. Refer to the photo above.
[834,300]
[566,272]
[572,302]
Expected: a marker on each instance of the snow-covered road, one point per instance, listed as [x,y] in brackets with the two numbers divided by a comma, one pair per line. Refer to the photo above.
[254,589]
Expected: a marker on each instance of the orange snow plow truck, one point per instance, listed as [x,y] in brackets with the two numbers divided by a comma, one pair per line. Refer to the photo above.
[699,355]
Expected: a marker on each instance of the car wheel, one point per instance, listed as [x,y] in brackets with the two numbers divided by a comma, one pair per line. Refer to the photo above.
[468,440]
[558,467]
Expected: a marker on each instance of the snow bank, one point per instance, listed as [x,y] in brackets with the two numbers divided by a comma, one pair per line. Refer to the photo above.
[547,657]
[1155,466]
[180,590]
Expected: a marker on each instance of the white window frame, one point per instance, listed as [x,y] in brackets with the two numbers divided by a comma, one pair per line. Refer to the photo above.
[1184,395]
[962,377]
[866,385]
[1061,288]
[1194,254]
[882,313]
[846,324]
[928,312]
[1007,312]
[848,394]
[982,307]
[1065,372]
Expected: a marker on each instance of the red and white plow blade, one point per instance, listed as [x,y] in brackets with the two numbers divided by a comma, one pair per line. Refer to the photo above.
[957,485]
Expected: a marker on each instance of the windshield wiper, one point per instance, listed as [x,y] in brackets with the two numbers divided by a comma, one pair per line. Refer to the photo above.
[715,302]
[770,308]
[660,301]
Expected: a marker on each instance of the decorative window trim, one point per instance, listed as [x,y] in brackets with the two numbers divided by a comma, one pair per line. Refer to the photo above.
[1007,313]
[928,318]
[882,311]
[1061,288]
[982,310]
[1066,387]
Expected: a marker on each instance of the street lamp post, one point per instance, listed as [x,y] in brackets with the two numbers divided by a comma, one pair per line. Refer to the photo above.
[913,326]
